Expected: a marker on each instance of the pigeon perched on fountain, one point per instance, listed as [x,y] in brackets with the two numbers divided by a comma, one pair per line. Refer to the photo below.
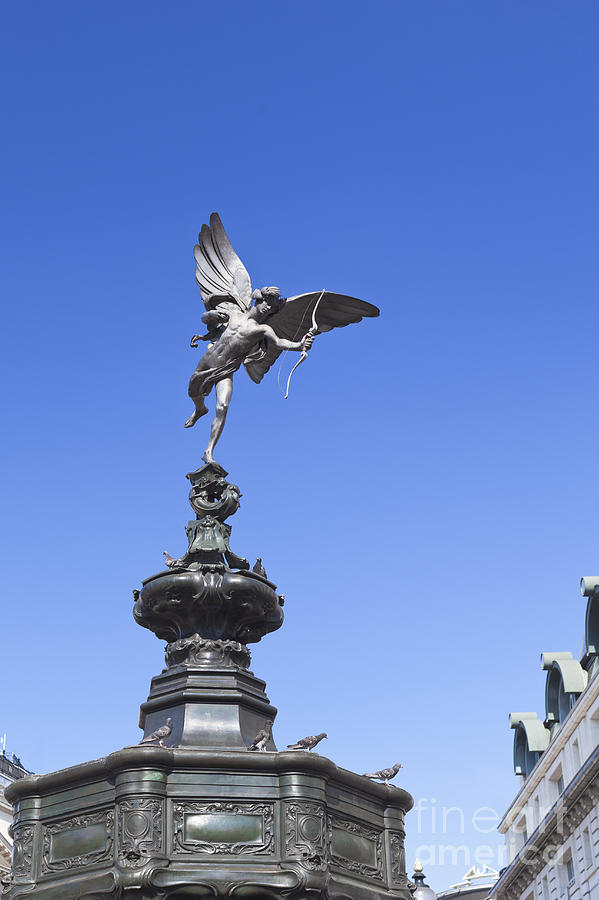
[158,736]
[308,743]
[259,569]
[262,738]
[170,561]
[384,774]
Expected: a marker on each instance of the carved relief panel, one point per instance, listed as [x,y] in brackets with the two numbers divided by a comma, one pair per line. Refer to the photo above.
[356,847]
[22,852]
[305,833]
[231,828]
[398,858]
[78,841]
[140,828]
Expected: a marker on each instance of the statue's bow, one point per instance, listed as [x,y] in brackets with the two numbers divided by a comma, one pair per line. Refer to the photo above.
[311,333]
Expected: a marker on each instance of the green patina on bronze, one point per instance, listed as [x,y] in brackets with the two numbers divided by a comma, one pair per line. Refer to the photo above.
[206,807]
[192,812]
[287,824]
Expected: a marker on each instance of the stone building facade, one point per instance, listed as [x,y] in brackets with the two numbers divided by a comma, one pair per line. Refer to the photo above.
[552,825]
[10,770]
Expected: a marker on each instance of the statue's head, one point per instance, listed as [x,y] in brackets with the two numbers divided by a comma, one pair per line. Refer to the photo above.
[267,302]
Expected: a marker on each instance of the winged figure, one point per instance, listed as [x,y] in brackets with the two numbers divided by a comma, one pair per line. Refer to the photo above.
[251,328]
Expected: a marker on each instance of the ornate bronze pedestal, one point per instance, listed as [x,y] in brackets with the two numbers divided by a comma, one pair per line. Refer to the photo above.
[191,812]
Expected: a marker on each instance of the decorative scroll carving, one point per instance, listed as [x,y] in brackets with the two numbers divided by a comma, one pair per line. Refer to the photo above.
[200,593]
[213,499]
[140,830]
[211,494]
[305,834]
[219,820]
[100,841]
[198,651]
[22,851]
[368,836]
[398,858]
[210,600]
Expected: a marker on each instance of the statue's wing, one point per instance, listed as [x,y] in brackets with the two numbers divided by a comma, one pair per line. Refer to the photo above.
[219,271]
[295,319]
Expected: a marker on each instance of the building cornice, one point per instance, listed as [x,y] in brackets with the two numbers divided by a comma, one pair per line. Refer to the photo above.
[566,814]
[566,730]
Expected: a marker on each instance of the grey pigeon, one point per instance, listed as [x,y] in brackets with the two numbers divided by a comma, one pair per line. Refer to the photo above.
[262,738]
[158,736]
[385,774]
[170,561]
[308,743]
[259,569]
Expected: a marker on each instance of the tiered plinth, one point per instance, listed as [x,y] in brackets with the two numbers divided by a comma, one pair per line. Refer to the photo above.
[209,611]
[193,812]
[150,823]
[222,707]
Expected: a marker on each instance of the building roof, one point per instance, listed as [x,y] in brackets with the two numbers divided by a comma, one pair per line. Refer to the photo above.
[12,767]
[475,884]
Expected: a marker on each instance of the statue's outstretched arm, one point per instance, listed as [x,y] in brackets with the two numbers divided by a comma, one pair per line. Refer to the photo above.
[282,343]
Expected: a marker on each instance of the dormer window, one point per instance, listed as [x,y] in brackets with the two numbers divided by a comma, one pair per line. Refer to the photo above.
[566,679]
[531,738]
[589,587]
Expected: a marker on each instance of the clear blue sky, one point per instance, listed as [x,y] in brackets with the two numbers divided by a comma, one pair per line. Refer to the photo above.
[427,496]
